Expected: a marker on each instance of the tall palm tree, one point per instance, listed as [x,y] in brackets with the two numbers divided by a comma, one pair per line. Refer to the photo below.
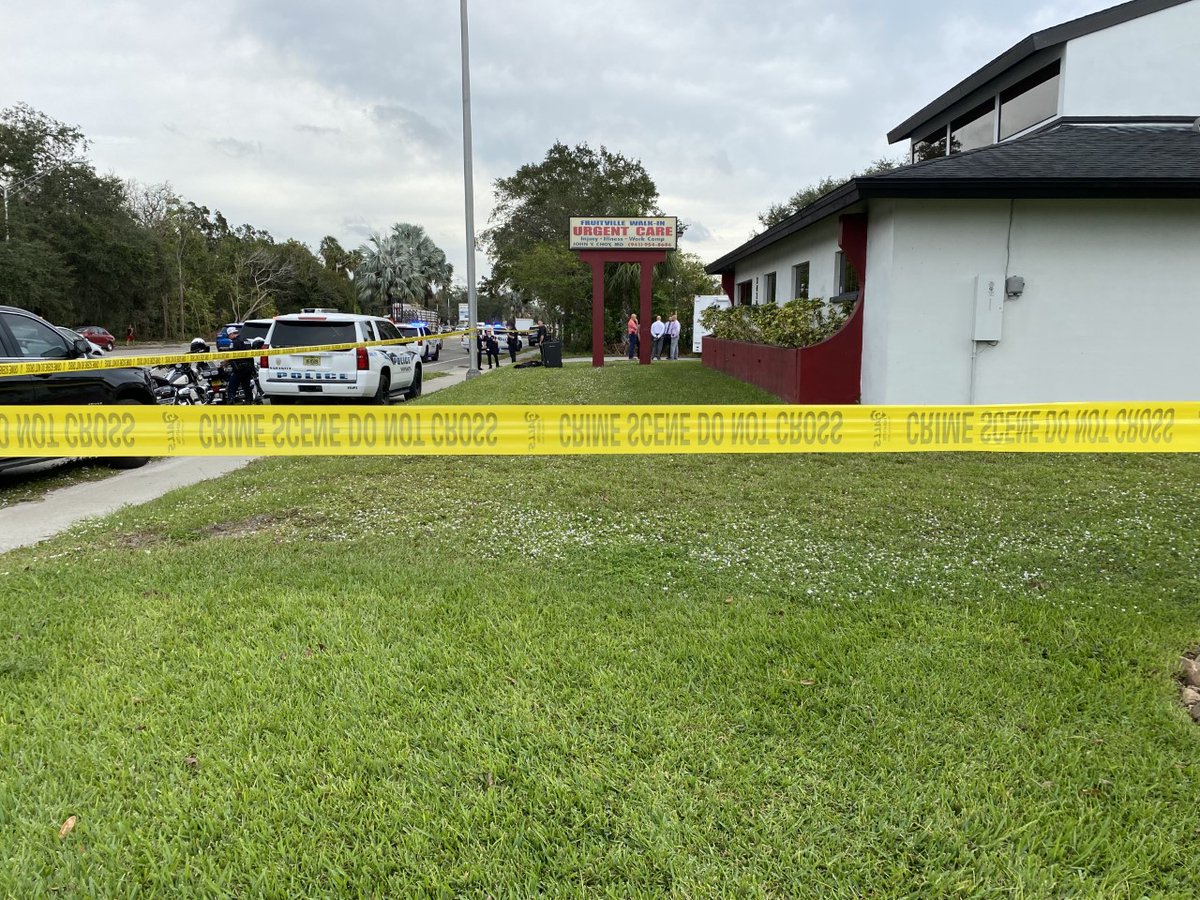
[404,267]
[427,256]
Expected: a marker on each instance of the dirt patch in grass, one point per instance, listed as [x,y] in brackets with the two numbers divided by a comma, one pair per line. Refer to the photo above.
[256,524]
[139,540]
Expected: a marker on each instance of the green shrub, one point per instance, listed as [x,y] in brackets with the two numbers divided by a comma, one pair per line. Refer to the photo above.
[797,323]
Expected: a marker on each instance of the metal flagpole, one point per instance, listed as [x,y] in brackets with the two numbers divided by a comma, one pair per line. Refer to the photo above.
[472,300]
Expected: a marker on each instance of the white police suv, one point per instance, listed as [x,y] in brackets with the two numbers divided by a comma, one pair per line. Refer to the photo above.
[427,343]
[359,375]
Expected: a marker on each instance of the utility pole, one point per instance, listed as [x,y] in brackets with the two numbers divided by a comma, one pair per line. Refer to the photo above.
[472,299]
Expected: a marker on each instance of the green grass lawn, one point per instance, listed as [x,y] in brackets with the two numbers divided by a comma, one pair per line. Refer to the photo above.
[888,676]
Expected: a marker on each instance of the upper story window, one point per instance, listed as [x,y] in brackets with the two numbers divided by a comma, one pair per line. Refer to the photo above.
[975,129]
[1029,101]
[931,146]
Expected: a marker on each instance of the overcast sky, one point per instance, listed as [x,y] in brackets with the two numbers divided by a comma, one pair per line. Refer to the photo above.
[308,118]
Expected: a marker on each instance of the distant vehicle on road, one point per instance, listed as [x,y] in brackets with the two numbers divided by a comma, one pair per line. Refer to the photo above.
[98,336]
[73,336]
[429,346]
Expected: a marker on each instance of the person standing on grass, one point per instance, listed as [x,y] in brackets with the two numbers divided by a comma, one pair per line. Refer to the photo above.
[493,348]
[657,330]
[514,344]
[541,338]
[633,336]
[673,336]
[128,335]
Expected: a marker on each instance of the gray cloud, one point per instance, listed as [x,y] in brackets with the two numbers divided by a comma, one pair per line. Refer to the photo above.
[236,149]
[696,232]
[357,226]
[411,125]
[319,130]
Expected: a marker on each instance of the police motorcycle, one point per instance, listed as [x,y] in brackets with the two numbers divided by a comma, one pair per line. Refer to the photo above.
[187,384]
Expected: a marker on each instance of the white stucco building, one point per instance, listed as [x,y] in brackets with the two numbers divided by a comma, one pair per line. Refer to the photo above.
[1044,244]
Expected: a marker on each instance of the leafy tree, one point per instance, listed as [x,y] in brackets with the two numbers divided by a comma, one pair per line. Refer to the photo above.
[35,276]
[555,275]
[777,212]
[678,280]
[83,254]
[312,284]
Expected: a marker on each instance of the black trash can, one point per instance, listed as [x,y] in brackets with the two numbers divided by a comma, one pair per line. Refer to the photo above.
[552,354]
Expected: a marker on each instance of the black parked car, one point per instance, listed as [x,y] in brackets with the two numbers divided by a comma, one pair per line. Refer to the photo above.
[25,336]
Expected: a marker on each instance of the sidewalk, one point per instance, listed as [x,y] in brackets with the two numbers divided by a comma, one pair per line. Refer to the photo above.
[24,524]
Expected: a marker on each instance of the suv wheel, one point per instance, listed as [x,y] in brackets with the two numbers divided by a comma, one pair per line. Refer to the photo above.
[414,390]
[437,353]
[384,391]
[128,462]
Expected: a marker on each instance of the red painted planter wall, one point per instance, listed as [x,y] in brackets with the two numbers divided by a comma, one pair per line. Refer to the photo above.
[828,372]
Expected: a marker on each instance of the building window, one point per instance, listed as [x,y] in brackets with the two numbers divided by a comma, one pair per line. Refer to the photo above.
[931,146]
[1029,101]
[745,293]
[768,294]
[974,129]
[847,278]
[800,281]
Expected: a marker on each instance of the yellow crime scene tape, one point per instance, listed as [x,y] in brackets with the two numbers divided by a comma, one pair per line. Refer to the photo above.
[50,366]
[600,430]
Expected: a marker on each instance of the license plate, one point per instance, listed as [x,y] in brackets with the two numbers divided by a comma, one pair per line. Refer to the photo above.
[312,360]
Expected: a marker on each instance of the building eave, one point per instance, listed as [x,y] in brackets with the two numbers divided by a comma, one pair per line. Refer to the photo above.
[835,201]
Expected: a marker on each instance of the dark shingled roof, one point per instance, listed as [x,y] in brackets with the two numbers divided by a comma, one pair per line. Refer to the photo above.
[1068,151]
[1066,159]
[1035,43]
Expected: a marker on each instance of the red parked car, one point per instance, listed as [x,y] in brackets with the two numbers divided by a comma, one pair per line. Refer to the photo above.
[98,336]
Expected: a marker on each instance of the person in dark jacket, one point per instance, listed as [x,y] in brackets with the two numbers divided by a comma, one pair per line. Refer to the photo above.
[493,348]
[242,370]
[514,344]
